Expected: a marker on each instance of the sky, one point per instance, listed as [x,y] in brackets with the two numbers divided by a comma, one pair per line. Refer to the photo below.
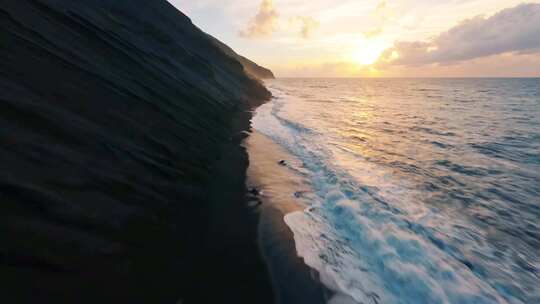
[378,38]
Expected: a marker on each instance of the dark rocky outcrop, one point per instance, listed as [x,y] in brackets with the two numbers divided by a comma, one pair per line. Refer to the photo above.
[119,120]
[254,70]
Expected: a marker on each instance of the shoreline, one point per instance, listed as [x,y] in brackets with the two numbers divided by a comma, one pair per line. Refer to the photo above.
[233,267]
[292,279]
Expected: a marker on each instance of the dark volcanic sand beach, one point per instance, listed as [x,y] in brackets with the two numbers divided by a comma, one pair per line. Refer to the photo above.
[233,269]
[293,280]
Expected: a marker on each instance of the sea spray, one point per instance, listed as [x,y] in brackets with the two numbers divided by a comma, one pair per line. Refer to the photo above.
[405,203]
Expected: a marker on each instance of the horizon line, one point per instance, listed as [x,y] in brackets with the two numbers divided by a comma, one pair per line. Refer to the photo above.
[405,77]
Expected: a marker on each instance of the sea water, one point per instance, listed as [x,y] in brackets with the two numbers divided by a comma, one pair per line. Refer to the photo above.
[419,190]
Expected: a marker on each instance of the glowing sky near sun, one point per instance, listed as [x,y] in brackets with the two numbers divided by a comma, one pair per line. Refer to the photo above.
[403,38]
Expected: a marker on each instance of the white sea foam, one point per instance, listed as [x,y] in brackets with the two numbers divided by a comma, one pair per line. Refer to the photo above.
[368,239]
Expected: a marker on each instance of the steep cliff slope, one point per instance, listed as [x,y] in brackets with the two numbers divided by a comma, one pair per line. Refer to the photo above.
[113,116]
[253,69]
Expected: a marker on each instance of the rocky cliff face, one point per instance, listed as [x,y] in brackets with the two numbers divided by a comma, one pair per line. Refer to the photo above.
[113,119]
[254,70]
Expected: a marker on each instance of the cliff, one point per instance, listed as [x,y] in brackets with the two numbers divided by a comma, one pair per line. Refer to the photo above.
[254,70]
[118,121]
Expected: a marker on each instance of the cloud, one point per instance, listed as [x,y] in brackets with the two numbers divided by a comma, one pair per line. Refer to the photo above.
[512,30]
[380,16]
[503,65]
[381,6]
[373,33]
[264,23]
[307,25]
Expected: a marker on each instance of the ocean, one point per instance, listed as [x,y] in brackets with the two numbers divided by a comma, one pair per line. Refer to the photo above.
[413,190]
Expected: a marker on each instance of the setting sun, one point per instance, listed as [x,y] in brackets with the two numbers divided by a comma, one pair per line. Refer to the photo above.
[368,51]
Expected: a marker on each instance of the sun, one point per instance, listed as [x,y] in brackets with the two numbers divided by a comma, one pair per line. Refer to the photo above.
[368,52]
[366,56]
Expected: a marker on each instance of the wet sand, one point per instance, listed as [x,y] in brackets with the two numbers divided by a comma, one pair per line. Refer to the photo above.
[293,280]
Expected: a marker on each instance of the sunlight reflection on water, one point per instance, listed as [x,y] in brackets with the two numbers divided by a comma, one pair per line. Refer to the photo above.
[424,190]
